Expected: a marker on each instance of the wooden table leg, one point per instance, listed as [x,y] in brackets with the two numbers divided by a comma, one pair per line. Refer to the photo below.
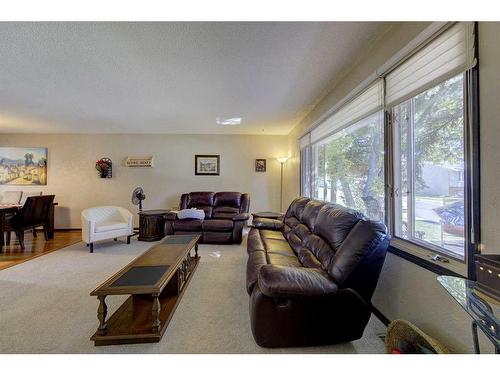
[50,231]
[156,313]
[102,311]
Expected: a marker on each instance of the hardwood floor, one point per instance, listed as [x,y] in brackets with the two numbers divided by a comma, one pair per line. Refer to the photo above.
[36,247]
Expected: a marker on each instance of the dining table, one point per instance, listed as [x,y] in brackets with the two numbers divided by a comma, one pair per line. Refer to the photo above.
[6,209]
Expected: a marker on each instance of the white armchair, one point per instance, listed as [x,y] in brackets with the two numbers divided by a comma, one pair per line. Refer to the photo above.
[105,222]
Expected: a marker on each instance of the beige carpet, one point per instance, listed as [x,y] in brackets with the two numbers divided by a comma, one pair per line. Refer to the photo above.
[45,305]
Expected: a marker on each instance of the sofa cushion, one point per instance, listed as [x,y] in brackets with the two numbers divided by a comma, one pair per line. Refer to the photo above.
[274,234]
[277,245]
[294,213]
[188,225]
[307,258]
[320,249]
[334,223]
[201,198]
[228,199]
[224,212]
[106,226]
[310,213]
[215,225]
[296,208]
[282,260]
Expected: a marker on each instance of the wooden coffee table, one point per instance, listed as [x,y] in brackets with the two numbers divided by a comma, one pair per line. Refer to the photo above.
[155,281]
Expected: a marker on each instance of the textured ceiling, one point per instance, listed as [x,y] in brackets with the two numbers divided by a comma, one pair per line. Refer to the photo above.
[170,77]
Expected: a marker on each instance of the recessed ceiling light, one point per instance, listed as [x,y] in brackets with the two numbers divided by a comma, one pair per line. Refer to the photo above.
[228,121]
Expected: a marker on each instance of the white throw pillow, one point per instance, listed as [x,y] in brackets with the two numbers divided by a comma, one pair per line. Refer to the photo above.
[191,213]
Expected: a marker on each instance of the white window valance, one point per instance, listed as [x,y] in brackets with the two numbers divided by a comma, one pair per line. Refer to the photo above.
[445,56]
[366,103]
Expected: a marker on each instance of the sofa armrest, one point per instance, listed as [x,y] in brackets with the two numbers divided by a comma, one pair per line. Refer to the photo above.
[263,223]
[241,217]
[281,281]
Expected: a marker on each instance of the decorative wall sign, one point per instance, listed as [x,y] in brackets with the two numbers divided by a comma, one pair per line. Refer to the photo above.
[206,165]
[105,167]
[23,166]
[260,165]
[139,161]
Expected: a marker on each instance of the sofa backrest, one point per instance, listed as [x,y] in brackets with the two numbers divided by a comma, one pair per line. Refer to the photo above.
[294,213]
[343,242]
[221,205]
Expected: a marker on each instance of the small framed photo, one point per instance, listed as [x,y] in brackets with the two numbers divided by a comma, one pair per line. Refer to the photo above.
[260,165]
[206,165]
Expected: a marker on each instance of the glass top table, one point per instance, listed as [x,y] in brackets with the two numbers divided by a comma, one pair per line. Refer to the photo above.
[484,310]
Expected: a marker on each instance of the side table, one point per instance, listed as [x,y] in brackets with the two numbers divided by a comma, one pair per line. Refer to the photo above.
[151,225]
[483,310]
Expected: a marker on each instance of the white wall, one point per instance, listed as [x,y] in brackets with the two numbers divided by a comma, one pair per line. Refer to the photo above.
[406,290]
[74,181]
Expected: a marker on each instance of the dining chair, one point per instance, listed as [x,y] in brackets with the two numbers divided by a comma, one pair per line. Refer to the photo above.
[34,213]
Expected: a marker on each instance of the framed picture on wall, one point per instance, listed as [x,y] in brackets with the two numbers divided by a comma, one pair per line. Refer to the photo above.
[260,165]
[23,166]
[206,165]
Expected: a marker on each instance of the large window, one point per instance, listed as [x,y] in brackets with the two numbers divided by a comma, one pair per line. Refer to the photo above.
[429,147]
[349,167]
[429,168]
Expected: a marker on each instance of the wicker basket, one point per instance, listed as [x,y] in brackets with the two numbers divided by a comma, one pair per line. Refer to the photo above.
[402,331]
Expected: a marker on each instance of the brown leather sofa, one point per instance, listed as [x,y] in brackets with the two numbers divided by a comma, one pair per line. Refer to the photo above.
[311,276]
[225,216]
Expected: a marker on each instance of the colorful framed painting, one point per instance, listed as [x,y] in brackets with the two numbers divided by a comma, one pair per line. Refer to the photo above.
[23,166]
[260,165]
[206,165]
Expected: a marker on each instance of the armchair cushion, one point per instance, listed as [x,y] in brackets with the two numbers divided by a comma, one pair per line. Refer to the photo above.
[270,224]
[281,281]
[105,226]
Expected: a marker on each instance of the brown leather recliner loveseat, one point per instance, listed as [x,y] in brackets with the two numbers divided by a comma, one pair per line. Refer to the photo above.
[311,276]
[225,216]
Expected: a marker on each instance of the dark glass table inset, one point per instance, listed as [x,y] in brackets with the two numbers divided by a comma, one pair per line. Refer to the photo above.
[143,275]
[483,310]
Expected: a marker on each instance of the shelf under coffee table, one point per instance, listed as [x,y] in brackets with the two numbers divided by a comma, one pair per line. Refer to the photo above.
[155,281]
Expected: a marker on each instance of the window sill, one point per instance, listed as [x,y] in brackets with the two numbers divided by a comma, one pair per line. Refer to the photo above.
[422,257]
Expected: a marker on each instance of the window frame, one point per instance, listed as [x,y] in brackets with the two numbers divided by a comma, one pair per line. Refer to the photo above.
[411,190]
[322,145]
[429,255]
[421,254]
